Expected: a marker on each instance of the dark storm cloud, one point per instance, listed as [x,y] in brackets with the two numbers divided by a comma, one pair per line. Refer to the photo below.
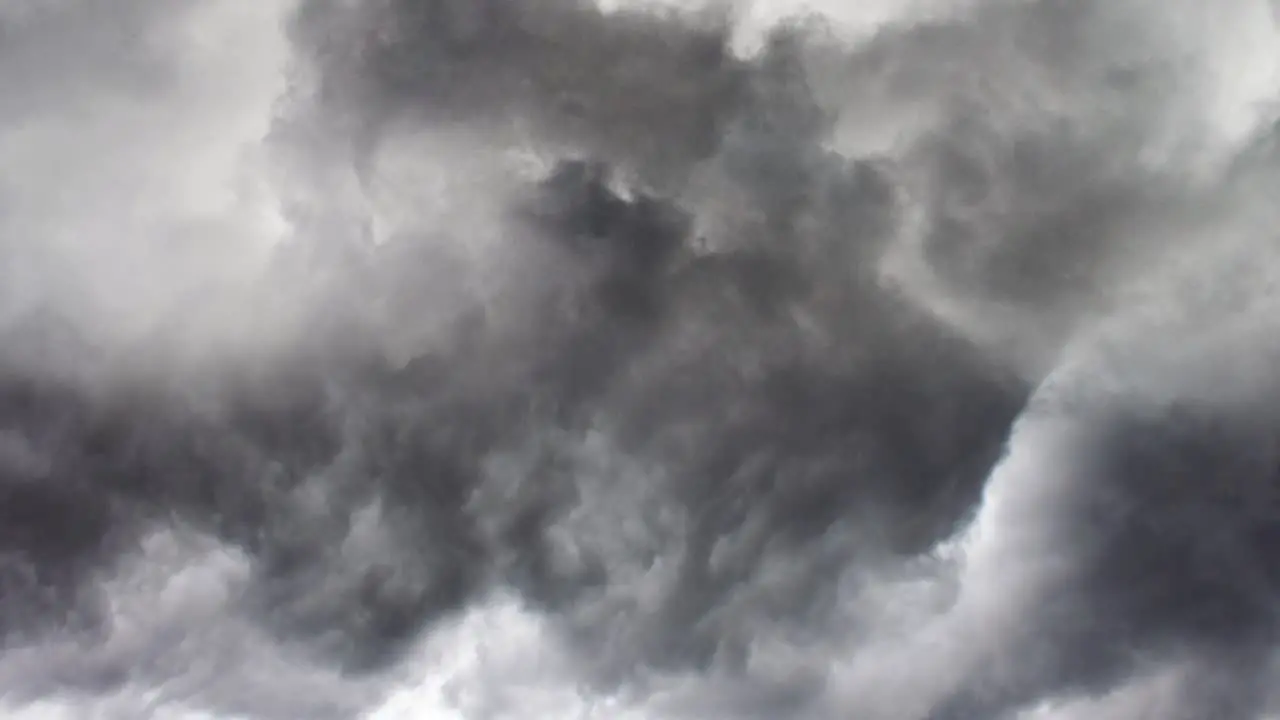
[777,480]
[421,443]
[1162,535]
[633,88]
[1035,146]
[694,416]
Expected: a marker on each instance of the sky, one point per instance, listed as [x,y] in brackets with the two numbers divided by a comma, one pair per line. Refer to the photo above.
[495,359]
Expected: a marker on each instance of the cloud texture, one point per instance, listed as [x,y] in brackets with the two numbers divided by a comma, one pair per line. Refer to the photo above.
[496,359]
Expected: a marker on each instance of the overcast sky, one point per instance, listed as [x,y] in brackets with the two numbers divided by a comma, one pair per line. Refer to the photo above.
[914,365]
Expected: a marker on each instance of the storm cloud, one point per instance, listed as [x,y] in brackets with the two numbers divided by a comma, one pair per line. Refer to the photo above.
[494,359]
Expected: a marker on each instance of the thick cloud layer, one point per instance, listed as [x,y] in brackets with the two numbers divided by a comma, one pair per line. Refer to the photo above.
[495,359]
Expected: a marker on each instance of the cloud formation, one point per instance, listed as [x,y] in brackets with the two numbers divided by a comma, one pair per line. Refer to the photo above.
[497,358]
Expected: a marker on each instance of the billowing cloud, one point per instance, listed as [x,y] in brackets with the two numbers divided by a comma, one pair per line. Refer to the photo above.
[417,358]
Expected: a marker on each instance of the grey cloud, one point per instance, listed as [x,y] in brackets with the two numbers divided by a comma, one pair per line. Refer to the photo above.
[671,391]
